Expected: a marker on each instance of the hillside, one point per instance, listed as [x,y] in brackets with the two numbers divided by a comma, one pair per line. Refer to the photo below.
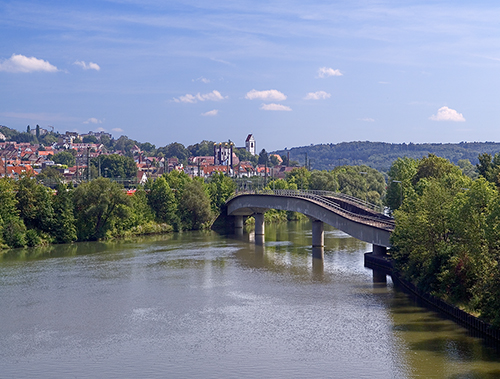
[380,155]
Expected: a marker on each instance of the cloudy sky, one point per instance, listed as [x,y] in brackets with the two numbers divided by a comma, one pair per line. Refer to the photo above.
[293,73]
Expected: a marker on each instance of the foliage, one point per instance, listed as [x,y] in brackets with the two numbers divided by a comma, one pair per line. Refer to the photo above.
[115,166]
[380,155]
[299,177]
[65,157]
[64,228]
[89,139]
[162,201]
[263,157]
[34,204]
[401,175]
[99,206]
[244,155]
[447,234]
[220,188]
[202,149]
[12,228]
[194,206]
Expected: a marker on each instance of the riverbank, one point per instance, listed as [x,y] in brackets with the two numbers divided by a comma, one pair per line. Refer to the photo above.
[384,264]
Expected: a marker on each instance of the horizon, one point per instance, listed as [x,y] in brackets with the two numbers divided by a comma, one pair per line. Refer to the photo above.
[291,74]
[287,148]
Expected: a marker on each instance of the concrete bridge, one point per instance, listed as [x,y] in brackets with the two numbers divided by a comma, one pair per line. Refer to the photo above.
[355,217]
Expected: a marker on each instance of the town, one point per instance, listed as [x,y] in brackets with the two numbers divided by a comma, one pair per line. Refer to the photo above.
[68,157]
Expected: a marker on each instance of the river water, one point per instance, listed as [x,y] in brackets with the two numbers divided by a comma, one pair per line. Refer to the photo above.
[199,305]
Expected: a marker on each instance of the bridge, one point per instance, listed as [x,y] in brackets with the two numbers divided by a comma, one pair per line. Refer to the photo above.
[353,216]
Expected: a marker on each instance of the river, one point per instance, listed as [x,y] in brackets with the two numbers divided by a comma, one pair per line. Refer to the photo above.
[199,305]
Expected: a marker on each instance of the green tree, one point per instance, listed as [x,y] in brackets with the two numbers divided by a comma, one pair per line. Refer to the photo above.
[220,187]
[300,177]
[115,166]
[34,204]
[468,168]
[12,228]
[177,180]
[194,206]
[204,148]
[323,180]
[49,176]
[263,157]
[401,175]
[89,139]
[65,157]
[162,201]
[99,206]
[64,228]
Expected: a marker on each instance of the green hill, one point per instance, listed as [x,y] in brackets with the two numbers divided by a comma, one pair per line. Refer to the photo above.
[380,155]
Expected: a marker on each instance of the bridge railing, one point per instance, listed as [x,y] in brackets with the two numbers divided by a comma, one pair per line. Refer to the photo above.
[336,195]
[369,220]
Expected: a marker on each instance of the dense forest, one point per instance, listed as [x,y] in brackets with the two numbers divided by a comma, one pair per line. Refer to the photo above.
[380,155]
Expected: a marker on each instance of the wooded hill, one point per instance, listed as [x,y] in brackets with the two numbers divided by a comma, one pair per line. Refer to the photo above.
[380,155]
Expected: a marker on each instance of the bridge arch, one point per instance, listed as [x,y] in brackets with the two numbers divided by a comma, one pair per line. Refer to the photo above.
[356,220]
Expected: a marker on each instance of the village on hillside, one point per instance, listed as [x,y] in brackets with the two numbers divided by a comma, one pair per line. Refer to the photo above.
[20,158]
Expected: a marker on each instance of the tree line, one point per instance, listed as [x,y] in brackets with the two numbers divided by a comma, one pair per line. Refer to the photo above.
[33,214]
[381,155]
[447,235]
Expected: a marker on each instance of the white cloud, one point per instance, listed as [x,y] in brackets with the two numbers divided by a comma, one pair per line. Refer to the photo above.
[117,130]
[367,119]
[275,107]
[447,114]
[211,96]
[319,95]
[88,66]
[20,63]
[202,79]
[325,72]
[93,120]
[213,112]
[269,95]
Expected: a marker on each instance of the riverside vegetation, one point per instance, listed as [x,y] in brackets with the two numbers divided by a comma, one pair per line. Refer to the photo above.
[447,235]
[33,214]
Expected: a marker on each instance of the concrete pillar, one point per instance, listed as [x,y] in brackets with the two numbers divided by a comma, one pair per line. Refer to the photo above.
[318,234]
[318,253]
[238,222]
[379,250]
[259,224]
[379,277]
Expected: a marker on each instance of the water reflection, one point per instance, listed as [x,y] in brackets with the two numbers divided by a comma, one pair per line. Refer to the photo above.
[202,305]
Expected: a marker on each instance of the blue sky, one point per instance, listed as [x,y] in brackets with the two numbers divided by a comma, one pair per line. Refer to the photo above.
[292,73]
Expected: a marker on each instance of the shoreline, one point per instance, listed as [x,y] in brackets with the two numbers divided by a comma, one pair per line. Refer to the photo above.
[385,266]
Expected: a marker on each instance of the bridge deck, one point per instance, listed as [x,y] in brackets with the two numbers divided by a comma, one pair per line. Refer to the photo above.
[351,215]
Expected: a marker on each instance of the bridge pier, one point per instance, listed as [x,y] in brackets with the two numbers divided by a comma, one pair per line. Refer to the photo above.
[379,250]
[259,224]
[238,225]
[318,234]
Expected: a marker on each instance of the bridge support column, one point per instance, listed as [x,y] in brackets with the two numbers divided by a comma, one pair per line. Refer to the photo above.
[259,224]
[379,250]
[238,225]
[318,234]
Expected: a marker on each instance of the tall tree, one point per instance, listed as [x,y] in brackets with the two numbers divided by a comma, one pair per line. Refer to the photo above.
[194,206]
[99,205]
[64,228]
